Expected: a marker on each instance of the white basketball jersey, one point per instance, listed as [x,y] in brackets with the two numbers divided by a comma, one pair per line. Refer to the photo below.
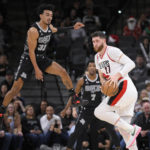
[109,63]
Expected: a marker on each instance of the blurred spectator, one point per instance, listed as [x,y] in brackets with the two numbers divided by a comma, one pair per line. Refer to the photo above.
[131,29]
[5,140]
[2,34]
[73,16]
[77,6]
[52,128]
[103,140]
[143,22]
[12,122]
[91,22]
[9,79]
[31,128]
[68,120]
[3,91]
[3,64]
[140,71]
[18,105]
[77,34]
[147,83]
[89,4]
[143,120]
[42,110]
[145,51]
[143,94]
[5,34]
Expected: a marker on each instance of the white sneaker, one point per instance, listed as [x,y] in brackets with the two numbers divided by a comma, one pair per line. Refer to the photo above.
[133,136]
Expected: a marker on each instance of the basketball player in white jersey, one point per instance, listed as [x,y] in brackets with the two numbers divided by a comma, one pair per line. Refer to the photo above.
[114,65]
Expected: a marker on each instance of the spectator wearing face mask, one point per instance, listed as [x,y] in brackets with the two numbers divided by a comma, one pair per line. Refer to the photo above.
[131,29]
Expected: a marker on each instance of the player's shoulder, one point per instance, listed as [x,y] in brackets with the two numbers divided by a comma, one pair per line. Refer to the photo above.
[33,29]
[113,50]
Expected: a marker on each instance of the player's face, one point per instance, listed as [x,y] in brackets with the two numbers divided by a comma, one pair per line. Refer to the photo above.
[91,68]
[98,43]
[46,17]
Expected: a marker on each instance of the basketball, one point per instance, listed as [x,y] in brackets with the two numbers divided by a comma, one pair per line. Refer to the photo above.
[109,89]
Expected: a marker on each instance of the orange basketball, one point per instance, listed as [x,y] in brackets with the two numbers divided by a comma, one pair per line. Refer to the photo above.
[109,89]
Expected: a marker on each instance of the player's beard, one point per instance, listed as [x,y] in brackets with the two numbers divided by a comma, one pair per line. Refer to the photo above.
[100,47]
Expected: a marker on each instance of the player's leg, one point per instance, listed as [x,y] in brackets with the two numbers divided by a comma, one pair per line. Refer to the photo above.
[23,72]
[56,69]
[17,85]
[106,113]
[126,135]
[81,126]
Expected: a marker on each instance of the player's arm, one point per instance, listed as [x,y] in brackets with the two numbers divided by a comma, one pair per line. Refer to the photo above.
[32,37]
[121,58]
[77,91]
[102,79]
[76,26]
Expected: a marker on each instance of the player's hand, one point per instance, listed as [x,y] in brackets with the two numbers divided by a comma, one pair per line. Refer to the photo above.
[114,79]
[39,74]
[78,25]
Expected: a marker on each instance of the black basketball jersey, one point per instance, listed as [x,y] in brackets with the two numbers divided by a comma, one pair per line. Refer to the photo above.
[42,41]
[91,91]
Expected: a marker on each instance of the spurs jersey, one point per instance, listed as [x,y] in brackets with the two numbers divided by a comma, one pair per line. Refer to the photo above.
[109,62]
[91,91]
[42,41]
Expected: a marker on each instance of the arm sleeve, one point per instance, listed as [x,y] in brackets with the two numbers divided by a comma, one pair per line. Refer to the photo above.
[118,56]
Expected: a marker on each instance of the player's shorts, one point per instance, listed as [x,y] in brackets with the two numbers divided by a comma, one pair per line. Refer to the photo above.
[25,67]
[123,103]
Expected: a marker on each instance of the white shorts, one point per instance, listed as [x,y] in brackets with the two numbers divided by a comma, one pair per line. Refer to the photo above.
[123,103]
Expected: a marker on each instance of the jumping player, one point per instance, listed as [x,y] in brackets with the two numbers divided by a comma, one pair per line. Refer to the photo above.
[34,55]
[114,65]
[89,86]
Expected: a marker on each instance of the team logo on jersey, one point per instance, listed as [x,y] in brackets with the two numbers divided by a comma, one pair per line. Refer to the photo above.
[23,75]
[82,121]
[92,88]
[44,39]
[104,64]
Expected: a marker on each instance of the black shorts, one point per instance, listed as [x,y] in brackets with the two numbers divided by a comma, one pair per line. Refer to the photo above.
[25,67]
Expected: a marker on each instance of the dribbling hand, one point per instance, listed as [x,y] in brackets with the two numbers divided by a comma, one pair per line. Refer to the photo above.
[39,74]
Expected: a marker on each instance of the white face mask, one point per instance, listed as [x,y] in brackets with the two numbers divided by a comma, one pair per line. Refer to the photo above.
[131,25]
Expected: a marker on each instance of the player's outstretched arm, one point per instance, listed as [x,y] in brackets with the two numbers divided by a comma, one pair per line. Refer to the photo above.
[76,26]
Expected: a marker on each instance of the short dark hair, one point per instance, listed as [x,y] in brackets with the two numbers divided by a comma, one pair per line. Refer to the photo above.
[90,61]
[43,7]
[98,34]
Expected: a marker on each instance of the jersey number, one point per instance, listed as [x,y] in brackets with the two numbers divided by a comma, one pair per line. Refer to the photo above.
[107,69]
[93,97]
[41,47]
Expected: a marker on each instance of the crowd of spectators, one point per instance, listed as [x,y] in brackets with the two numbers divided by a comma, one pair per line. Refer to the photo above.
[26,127]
